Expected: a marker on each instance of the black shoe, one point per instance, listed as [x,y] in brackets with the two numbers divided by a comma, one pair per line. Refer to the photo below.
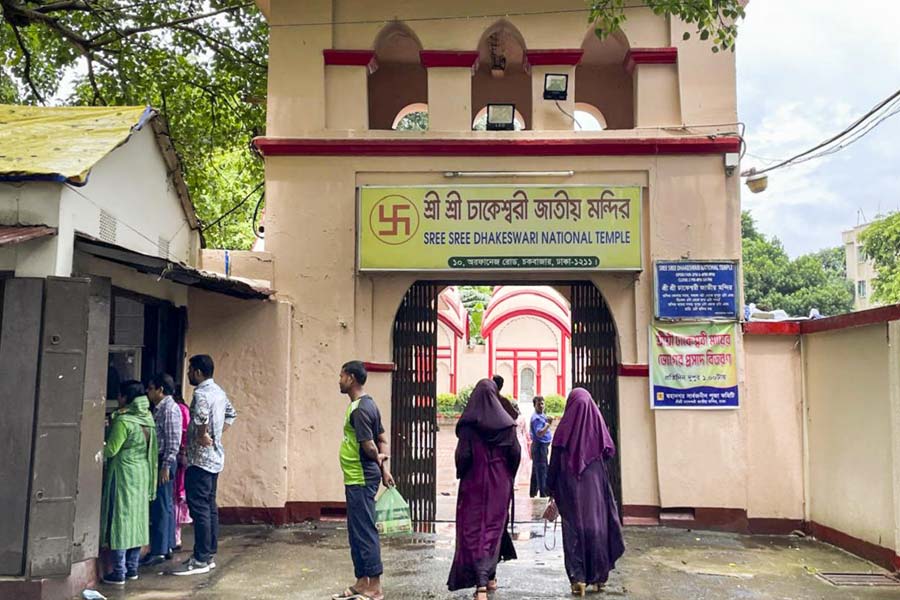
[151,560]
[110,579]
[132,575]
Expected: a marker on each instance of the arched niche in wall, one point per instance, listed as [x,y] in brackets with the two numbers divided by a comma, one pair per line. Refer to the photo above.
[588,118]
[602,82]
[400,79]
[501,75]
[412,117]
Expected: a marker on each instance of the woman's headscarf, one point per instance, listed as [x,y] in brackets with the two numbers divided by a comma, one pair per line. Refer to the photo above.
[484,412]
[582,432]
[138,412]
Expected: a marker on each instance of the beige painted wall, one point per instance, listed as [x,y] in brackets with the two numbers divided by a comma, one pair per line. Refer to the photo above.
[773,405]
[691,210]
[686,214]
[699,90]
[852,422]
[255,376]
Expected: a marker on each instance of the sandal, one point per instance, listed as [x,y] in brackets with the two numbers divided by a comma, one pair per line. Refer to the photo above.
[578,589]
[349,594]
[596,588]
[481,593]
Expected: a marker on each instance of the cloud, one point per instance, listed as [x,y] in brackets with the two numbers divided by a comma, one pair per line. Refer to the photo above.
[806,70]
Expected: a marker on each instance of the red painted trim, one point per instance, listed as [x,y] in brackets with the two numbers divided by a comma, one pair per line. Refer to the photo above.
[771,328]
[490,355]
[526,312]
[497,147]
[380,367]
[884,557]
[448,58]
[634,370]
[650,56]
[453,377]
[348,58]
[773,526]
[641,511]
[873,316]
[561,376]
[446,321]
[520,292]
[562,57]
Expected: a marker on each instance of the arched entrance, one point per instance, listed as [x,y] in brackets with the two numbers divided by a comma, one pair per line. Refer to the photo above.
[414,384]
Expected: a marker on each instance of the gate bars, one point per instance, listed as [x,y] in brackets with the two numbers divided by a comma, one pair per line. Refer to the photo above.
[414,401]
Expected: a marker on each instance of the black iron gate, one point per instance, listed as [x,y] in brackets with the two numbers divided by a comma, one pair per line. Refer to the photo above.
[595,365]
[413,400]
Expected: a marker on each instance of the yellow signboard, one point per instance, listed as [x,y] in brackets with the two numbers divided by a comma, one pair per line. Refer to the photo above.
[499,227]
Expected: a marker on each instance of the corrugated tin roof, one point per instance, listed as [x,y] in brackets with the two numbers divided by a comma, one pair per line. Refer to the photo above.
[16,234]
[173,271]
[62,143]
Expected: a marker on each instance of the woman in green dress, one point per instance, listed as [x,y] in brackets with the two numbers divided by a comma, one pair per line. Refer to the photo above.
[129,483]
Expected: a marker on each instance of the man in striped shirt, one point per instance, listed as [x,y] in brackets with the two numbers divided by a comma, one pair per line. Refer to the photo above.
[168,434]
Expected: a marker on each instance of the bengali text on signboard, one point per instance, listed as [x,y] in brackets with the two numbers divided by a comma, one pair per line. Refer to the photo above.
[499,227]
[693,366]
[696,290]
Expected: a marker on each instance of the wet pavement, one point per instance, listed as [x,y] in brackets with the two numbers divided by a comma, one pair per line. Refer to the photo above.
[313,561]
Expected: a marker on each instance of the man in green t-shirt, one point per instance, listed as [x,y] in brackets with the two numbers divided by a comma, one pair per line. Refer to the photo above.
[364,456]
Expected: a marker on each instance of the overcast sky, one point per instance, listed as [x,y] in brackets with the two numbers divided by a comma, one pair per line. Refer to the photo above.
[806,70]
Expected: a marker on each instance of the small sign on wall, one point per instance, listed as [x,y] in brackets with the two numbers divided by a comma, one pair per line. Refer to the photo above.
[693,365]
[693,290]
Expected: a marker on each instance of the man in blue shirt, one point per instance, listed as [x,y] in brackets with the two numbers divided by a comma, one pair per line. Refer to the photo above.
[540,448]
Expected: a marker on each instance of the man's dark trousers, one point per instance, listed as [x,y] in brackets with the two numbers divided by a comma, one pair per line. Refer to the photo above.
[200,489]
[365,548]
[162,518]
[540,464]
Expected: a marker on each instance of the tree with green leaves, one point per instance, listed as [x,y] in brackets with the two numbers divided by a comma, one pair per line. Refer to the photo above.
[475,299]
[773,281]
[203,64]
[881,244]
[715,20]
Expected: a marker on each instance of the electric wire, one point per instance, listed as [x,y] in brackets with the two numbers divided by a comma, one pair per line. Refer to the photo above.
[235,207]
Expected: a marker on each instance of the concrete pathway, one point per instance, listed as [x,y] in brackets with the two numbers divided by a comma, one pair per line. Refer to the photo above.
[312,561]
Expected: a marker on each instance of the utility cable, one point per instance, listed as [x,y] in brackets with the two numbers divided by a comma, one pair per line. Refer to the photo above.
[888,102]
[235,207]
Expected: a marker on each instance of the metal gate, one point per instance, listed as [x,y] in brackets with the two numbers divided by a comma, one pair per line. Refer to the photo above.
[595,365]
[413,400]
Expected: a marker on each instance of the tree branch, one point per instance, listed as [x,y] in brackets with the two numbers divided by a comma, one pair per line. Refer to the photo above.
[27,54]
[218,44]
[98,42]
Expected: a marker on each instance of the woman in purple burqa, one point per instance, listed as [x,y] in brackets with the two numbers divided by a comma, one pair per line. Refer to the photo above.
[579,484]
[487,457]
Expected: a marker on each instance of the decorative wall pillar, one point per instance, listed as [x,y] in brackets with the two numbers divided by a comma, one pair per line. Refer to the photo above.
[449,88]
[657,98]
[552,115]
[347,88]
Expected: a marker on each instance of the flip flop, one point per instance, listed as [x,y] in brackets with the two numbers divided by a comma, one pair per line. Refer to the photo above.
[348,594]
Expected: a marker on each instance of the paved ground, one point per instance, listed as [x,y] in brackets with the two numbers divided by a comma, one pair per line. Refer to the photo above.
[312,561]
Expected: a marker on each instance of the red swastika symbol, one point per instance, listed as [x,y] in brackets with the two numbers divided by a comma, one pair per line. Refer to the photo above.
[394,220]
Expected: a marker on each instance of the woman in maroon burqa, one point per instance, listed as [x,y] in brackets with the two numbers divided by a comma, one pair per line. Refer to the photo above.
[579,484]
[487,457]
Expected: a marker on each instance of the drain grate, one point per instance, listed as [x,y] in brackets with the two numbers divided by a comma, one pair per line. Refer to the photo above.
[859,579]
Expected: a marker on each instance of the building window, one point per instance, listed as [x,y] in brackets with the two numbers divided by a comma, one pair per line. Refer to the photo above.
[861,289]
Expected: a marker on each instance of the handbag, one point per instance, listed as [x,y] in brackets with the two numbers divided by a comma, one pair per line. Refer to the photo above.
[550,515]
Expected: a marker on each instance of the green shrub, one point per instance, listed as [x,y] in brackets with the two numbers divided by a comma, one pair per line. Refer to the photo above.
[462,398]
[446,404]
[554,405]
